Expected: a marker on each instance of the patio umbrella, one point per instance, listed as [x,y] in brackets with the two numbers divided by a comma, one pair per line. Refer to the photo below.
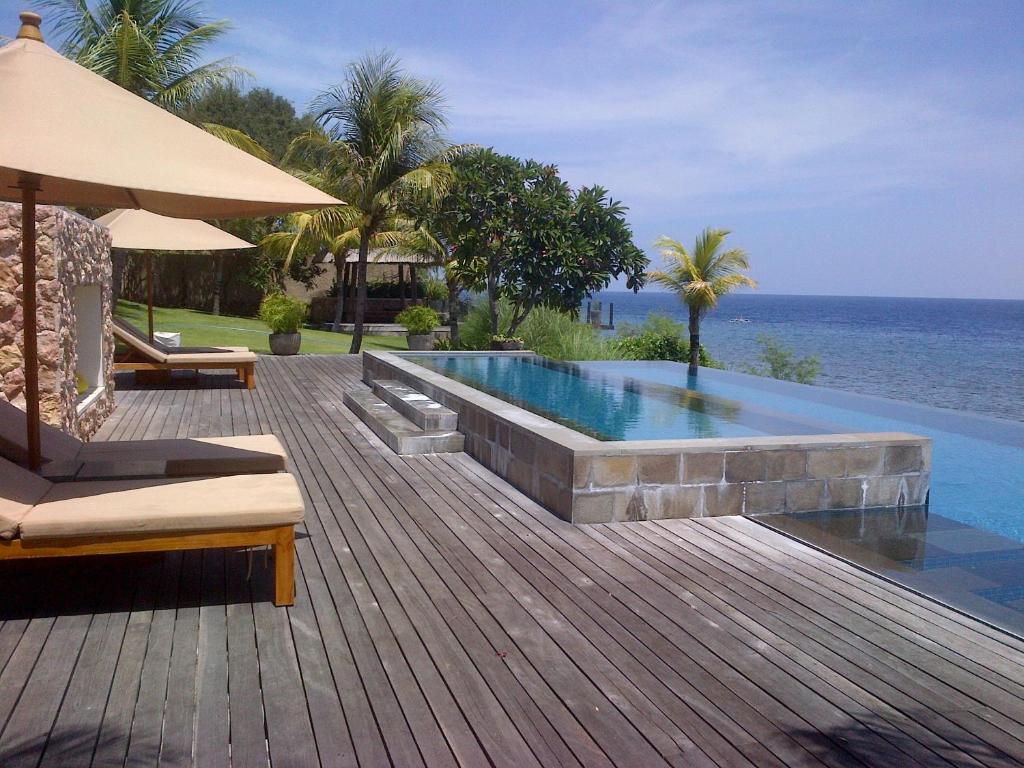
[71,137]
[146,231]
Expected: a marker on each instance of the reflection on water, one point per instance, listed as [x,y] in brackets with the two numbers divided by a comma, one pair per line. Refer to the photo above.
[973,570]
[611,406]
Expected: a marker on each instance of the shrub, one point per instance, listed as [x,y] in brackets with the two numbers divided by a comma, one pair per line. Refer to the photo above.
[434,289]
[659,338]
[283,313]
[418,320]
[547,332]
[443,344]
[779,362]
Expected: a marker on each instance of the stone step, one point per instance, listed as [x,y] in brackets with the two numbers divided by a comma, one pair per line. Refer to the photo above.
[400,434]
[415,406]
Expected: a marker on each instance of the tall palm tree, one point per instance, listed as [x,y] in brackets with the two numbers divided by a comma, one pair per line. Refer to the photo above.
[700,279]
[153,48]
[379,148]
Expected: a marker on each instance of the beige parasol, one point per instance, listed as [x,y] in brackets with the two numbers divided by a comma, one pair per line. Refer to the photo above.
[71,137]
[138,230]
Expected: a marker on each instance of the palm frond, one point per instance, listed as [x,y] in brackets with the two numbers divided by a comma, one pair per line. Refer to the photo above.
[238,139]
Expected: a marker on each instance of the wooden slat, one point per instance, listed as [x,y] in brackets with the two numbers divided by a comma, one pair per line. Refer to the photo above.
[443,618]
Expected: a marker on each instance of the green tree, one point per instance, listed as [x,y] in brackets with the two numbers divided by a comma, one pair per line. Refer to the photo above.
[379,147]
[262,123]
[264,116]
[153,48]
[700,279]
[779,362]
[522,234]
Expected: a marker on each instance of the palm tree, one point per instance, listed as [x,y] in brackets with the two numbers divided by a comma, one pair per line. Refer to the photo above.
[152,48]
[379,148]
[700,279]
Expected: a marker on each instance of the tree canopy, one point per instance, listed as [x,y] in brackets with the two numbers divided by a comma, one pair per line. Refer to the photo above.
[264,116]
[520,232]
[153,48]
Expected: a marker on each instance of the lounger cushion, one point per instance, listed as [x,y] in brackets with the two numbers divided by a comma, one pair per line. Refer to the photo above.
[235,358]
[19,491]
[112,508]
[194,456]
[233,355]
[55,444]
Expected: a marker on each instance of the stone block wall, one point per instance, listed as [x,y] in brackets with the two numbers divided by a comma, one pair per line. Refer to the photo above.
[584,480]
[751,477]
[71,251]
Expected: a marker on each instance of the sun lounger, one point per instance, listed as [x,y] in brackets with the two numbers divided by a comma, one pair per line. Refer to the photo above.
[43,519]
[144,356]
[68,458]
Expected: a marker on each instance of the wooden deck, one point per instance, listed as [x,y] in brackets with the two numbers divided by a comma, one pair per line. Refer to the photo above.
[444,619]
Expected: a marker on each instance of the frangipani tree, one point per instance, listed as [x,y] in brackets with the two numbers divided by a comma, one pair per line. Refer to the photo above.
[701,278]
[521,233]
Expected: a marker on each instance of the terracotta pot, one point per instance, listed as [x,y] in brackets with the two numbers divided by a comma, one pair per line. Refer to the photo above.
[421,342]
[285,343]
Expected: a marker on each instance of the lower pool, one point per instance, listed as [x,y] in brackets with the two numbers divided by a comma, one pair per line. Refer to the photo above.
[966,548]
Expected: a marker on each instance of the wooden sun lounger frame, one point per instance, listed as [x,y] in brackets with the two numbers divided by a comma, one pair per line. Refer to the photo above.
[281,538]
[246,372]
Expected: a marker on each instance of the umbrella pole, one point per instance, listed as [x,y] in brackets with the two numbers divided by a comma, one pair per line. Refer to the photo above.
[29,186]
[149,292]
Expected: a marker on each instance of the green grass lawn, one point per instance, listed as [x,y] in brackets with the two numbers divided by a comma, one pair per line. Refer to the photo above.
[201,329]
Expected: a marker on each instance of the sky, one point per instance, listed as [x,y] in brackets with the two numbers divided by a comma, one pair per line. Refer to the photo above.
[860,148]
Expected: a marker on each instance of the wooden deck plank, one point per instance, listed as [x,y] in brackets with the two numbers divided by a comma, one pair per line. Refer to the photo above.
[442,618]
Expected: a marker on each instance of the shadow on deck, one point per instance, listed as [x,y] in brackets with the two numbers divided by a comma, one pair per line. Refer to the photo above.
[442,618]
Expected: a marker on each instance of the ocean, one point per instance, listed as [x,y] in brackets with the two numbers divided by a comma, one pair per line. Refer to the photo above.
[966,354]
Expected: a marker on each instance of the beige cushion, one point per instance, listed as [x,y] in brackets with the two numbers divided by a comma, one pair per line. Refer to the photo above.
[193,456]
[210,357]
[19,490]
[81,510]
[55,444]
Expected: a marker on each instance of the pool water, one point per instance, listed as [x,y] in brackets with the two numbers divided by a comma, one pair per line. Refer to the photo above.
[608,404]
[966,549]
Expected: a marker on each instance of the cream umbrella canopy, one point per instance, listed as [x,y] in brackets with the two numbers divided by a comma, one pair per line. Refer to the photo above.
[71,137]
[138,230]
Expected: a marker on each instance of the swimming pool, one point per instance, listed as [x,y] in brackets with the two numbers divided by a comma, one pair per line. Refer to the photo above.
[966,548]
[612,401]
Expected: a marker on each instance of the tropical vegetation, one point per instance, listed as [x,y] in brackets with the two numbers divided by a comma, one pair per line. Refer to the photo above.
[283,313]
[418,320]
[701,277]
[778,361]
[546,331]
[153,48]
[658,338]
[378,146]
[516,231]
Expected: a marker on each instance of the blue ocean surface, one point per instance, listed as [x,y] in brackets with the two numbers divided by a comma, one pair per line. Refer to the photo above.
[966,354]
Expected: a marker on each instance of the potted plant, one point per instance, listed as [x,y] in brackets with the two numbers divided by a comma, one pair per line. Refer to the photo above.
[284,315]
[506,343]
[419,322]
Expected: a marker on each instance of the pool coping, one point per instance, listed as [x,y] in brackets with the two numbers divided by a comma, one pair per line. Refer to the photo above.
[586,480]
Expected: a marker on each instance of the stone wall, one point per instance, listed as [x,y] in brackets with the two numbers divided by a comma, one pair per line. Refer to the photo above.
[584,480]
[749,476]
[71,251]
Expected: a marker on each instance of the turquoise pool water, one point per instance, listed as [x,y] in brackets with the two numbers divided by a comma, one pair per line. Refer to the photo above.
[967,548]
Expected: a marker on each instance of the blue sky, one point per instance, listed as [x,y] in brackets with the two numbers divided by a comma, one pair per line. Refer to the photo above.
[852,148]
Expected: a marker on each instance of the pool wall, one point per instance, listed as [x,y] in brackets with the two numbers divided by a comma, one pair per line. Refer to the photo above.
[585,480]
